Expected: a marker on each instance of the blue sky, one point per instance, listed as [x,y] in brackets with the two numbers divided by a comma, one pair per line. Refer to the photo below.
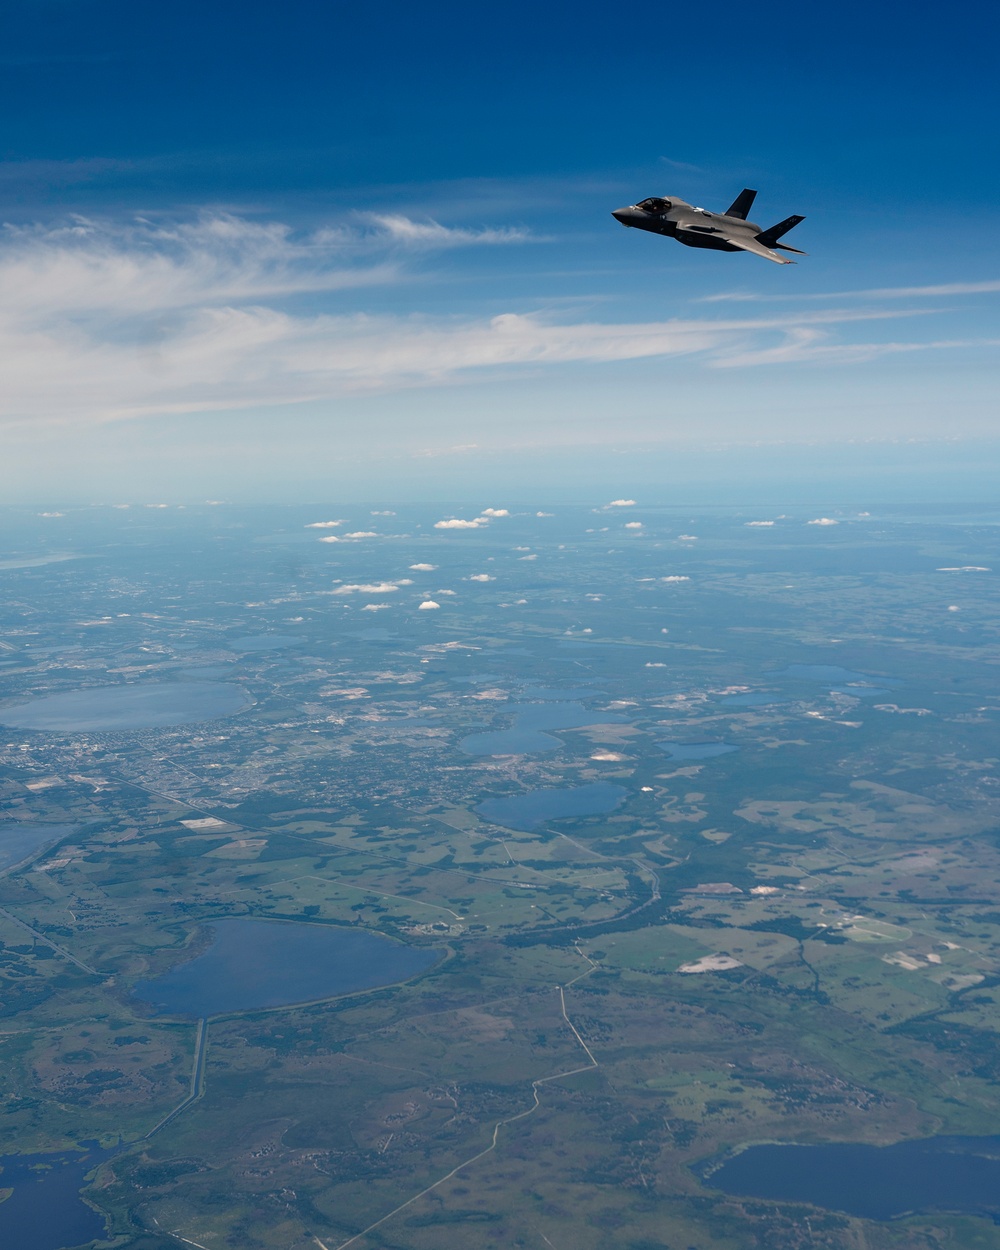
[267,250]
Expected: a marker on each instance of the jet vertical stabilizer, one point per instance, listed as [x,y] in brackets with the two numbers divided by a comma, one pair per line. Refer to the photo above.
[741,206]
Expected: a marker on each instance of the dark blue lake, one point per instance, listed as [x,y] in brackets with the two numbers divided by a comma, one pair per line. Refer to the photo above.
[210,670]
[263,642]
[549,692]
[45,1210]
[874,1182]
[755,698]
[139,705]
[696,750]
[527,736]
[828,673]
[862,692]
[269,963]
[528,811]
[21,838]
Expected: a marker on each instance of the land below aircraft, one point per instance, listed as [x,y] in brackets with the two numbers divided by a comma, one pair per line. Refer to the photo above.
[721,232]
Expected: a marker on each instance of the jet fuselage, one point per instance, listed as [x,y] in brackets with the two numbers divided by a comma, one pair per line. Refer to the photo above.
[719,232]
[694,227]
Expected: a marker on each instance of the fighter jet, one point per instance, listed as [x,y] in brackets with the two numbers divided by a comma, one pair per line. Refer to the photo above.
[722,232]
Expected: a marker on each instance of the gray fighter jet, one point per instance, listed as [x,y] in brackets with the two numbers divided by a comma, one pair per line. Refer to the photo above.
[722,232]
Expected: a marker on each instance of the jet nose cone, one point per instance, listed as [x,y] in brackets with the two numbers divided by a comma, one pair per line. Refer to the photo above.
[624,215]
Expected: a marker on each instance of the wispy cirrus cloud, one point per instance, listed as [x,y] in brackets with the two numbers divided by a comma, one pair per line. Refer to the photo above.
[432,234]
[103,321]
[989,287]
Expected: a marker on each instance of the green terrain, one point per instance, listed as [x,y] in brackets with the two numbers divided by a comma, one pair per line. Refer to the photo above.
[795,941]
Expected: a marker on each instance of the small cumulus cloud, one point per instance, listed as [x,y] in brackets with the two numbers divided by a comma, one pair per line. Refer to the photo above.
[823,520]
[324,525]
[633,525]
[384,512]
[675,577]
[423,568]
[544,514]
[63,513]
[331,538]
[621,503]
[757,524]
[494,512]
[365,588]
[456,523]
[687,538]
[375,607]
[428,605]
[960,568]
[445,592]
[481,577]
[362,534]
[531,557]
[953,607]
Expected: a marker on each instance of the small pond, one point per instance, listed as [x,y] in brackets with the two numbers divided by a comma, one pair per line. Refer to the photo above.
[269,963]
[873,1182]
[528,811]
[696,750]
[139,705]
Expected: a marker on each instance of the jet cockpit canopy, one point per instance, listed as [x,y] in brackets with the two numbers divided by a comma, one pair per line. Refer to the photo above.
[655,204]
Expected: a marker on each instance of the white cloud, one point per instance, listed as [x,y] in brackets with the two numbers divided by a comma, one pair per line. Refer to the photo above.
[494,512]
[445,592]
[428,605]
[375,607]
[362,534]
[544,514]
[431,234]
[959,568]
[331,538]
[621,503]
[633,525]
[384,512]
[531,557]
[108,320]
[481,577]
[676,577]
[324,525]
[757,524]
[423,568]
[365,588]
[687,538]
[456,524]
[823,520]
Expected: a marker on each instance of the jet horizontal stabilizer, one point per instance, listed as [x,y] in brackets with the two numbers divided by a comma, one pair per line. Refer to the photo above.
[770,237]
[758,249]
[785,247]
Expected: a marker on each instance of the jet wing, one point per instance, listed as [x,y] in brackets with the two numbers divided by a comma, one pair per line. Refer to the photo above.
[758,249]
